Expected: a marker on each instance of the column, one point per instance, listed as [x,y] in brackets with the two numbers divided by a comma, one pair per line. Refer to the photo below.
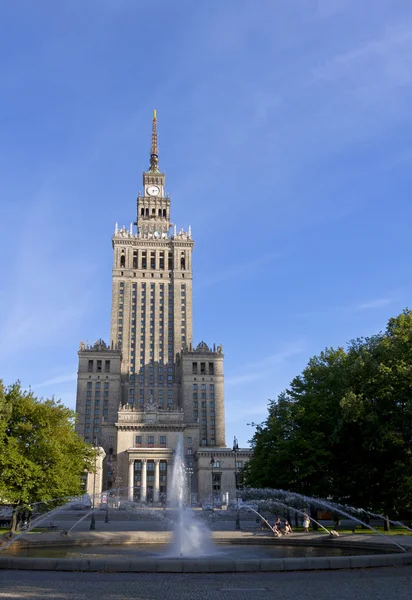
[143,483]
[131,479]
[156,489]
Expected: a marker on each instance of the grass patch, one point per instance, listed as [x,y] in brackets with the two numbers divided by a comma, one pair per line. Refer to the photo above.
[34,530]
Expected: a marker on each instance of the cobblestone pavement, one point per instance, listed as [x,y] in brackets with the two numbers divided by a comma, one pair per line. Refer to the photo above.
[365,584]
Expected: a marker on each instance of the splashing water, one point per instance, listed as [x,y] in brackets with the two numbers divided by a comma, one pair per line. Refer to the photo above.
[291,497]
[191,538]
[378,516]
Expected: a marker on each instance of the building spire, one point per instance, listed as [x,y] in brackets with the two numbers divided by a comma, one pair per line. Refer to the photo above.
[154,154]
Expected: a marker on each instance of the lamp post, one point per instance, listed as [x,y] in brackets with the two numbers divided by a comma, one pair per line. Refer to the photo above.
[212,464]
[93,518]
[106,516]
[235,450]
[189,472]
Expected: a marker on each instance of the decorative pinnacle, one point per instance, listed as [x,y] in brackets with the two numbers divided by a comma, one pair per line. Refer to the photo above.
[154,154]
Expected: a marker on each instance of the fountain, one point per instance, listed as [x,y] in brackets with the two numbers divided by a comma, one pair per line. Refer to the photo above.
[176,538]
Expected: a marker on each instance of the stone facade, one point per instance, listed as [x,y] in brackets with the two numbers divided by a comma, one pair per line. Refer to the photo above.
[136,395]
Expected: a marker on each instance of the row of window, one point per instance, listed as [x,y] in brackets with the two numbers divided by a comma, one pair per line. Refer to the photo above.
[150,440]
[98,366]
[200,368]
[151,259]
[98,385]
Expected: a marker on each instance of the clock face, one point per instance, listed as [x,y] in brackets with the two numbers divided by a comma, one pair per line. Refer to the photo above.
[153,190]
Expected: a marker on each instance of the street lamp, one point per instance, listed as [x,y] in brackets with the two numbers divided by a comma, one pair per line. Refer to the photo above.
[189,472]
[212,464]
[93,518]
[236,450]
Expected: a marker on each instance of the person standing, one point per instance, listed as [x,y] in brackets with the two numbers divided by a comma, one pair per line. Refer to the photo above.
[306,522]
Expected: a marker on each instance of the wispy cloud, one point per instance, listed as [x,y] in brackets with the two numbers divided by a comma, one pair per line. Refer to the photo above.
[260,369]
[237,270]
[66,378]
[377,303]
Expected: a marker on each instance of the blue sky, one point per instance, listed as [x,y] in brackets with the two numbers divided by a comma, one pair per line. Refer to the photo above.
[285,133]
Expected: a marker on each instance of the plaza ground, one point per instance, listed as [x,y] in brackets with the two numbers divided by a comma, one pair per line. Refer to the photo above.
[362,584]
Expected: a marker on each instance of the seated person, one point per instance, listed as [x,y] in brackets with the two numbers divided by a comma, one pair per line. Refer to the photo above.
[287,528]
[277,527]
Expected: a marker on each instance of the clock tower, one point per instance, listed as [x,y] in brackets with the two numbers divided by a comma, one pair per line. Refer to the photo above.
[153,208]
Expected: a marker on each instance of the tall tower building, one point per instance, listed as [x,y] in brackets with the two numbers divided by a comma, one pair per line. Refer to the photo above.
[150,384]
[152,294]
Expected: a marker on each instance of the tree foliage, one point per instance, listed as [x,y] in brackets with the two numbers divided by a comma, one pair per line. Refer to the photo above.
[41,455]
[344,427]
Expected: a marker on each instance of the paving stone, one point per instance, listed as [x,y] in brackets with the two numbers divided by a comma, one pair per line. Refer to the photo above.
[222,566]
[272,564]
[94,564]
[247,565]
[23,563]
[380,561]
[45,564]
[296,564]
[169,565]
[195,566]
[318,563]
[117,565]
[339,562]
[357,562]
[142,565]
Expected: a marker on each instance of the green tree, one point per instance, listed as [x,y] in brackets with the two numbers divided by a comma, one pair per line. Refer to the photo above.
[344,427]
[41,456]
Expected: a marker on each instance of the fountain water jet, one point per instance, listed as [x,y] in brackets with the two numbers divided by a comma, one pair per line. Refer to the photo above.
[254,493]
[190,537]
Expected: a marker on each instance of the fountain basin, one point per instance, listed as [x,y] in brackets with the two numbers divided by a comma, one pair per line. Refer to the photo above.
[236,552]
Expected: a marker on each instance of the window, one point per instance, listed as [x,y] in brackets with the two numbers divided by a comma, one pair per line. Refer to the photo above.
[195,387]
[90,366]
[211,369]
[216,464]
[239,464]
[194,368]
[162,440]
[204,442]
[189,451]
[111,439]
[138,440]
[212,442]
[106,385]
[202,367]
[216,483]
[99,366]
[89,385]
[189,440]
[150,440]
